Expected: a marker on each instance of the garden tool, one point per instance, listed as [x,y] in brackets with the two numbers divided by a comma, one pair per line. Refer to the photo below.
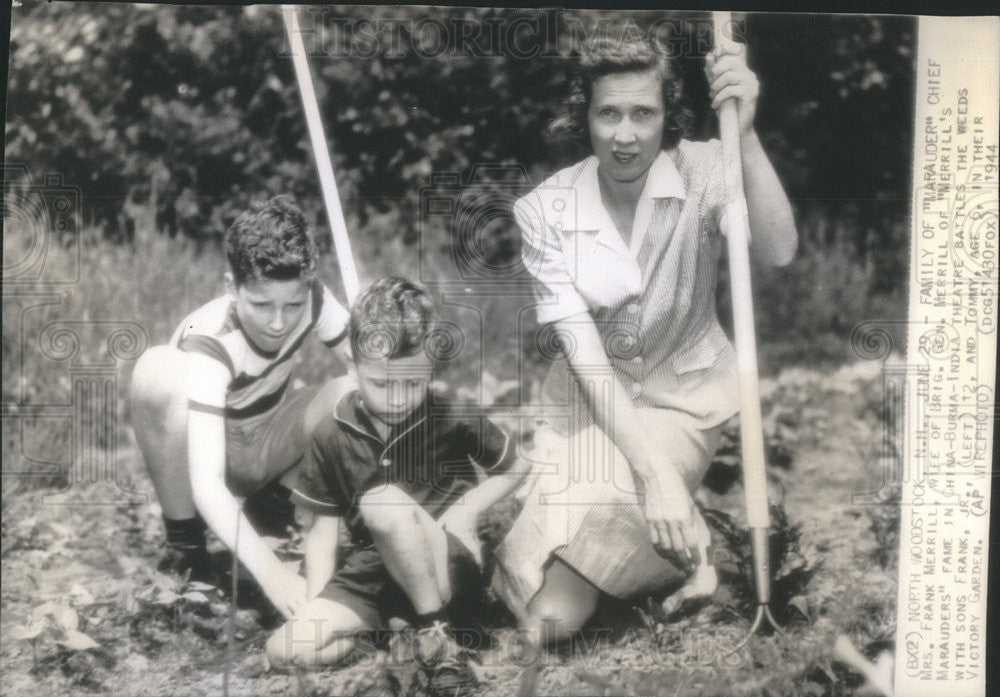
[736,227]
[317,136]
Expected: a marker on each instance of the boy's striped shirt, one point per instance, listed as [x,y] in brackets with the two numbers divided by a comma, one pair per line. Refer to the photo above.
[259,378]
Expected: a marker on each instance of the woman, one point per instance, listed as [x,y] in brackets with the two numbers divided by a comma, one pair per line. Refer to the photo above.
[624,249]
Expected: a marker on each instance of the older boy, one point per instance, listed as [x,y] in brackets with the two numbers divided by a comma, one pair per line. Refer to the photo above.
[213,413]
[403,470]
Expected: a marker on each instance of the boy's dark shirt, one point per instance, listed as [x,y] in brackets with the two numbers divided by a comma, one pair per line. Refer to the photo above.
[436,455]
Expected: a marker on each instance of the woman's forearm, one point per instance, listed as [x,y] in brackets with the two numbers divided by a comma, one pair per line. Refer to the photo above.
[774,239]
[606,398]
[617,416]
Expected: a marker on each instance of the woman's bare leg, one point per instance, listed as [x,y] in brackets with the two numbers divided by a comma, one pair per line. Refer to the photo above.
[561,608]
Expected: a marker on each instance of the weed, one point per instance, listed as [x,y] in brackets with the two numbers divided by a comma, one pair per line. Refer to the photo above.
[54,631]
[885,526]
[779,439]
[166,606]
[793,566]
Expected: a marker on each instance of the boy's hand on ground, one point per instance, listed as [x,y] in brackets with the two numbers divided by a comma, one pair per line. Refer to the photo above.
[286,590]
[460,520]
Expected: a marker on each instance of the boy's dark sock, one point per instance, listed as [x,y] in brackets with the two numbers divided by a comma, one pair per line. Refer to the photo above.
[185,535]
[187,552]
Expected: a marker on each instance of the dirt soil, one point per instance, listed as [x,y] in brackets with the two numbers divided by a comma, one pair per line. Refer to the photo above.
[153,638]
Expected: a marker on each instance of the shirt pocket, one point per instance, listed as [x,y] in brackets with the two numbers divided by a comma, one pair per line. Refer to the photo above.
[604,277]
[700,354]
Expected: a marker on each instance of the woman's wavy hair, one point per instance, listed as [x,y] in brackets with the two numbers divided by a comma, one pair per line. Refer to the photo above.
[609,53]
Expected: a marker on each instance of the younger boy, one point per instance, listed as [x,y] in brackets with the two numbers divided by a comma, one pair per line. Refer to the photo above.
[213,413]
[402,470]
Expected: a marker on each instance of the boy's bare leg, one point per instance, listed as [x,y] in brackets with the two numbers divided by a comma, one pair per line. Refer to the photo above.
[159,418]
[319,634]
[414,548]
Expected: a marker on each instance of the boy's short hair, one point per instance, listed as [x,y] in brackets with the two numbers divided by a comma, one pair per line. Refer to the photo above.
[270,241]
[392,318]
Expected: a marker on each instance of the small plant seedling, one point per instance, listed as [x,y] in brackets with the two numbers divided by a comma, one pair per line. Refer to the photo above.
[166,605]
[177,598]
[56,624]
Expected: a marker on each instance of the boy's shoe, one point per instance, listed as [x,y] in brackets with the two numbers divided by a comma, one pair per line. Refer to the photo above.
[194,564]
[447,667]
[428,662]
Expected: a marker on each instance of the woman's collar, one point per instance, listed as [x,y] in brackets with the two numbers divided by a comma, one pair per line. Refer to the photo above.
[663,181]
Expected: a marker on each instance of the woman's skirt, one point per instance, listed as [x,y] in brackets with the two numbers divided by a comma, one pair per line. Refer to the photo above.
[581,505]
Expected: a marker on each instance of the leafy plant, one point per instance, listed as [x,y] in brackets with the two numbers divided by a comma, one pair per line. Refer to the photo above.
[58,622]
[166,607]
[885,526]
[54,630]
[792,566]
[779,438]
[170,592]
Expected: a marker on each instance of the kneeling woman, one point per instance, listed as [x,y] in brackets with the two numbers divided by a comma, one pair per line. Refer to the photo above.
[624,248]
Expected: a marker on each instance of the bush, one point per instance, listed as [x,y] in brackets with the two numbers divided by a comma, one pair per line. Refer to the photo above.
[191,111]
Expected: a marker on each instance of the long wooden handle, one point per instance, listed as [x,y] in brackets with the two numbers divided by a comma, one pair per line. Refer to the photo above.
[736,225]
[328,183]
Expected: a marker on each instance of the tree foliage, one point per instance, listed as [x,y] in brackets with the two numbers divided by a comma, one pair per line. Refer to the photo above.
[194,110]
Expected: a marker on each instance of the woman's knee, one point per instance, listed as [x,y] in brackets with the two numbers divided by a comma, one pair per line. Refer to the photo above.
[556,620]
[296,641]
[563,605]
[280,647]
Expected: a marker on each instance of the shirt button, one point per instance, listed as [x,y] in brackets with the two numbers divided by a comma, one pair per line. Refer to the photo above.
[636,389]
[386,462]
[637,361]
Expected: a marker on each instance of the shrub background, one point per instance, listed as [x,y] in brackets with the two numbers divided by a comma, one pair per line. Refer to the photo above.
[171,119]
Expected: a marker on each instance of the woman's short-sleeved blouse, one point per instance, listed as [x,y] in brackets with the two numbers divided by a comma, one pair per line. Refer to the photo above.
[653,300]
